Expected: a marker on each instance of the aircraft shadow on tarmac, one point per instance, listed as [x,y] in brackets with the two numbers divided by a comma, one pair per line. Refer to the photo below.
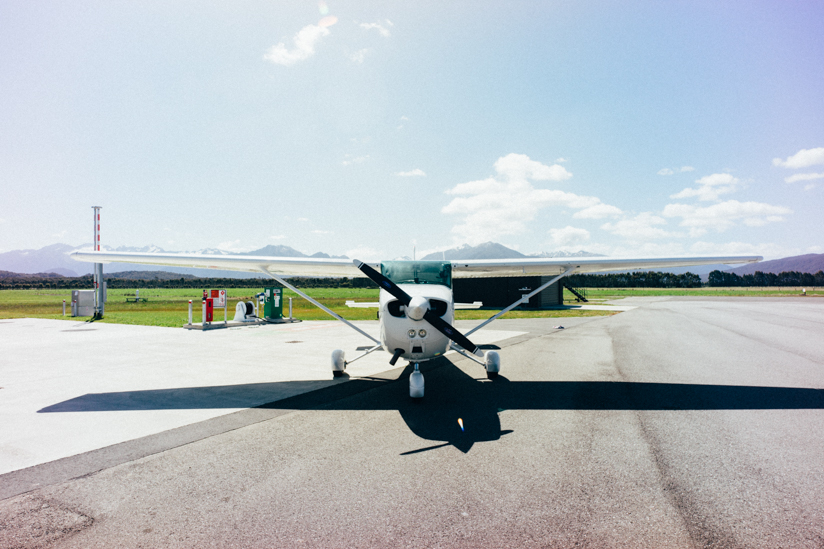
[452,394]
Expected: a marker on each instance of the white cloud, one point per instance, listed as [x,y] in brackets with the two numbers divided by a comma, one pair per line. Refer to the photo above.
[669,171]
[328,21]
[359,55]
[417,172]
[355,160]
[736,248]
[639,228]
[232,246]
[598,211]
[809,186]
[803,177]
[304,41]
[365,253]
[802,159]
[520,166]
[710,187]
[569,236]
[318,231]
[724,215]
[379,27]
[717,179]
[277,237]
[303,219]
[503,205]
[561,160]
[637,249]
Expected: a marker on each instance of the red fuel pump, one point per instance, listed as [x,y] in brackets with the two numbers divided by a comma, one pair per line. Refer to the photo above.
[210,310]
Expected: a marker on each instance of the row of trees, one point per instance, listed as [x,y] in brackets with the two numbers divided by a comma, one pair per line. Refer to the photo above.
[616,280]
[636,280]
[787,278]
[113,283]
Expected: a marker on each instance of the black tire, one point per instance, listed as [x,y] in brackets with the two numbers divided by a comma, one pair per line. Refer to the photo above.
[337,373]
[491,375]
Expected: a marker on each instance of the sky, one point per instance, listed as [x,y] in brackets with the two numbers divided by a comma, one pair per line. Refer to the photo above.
[631,129]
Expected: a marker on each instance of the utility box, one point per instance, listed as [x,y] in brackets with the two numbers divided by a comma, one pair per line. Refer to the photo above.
[273,303]
[82,302]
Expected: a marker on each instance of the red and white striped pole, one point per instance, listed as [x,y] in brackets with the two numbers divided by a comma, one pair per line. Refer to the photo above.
[96,243]
[98,267]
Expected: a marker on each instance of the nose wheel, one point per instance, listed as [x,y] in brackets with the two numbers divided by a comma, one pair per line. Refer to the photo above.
[416,383]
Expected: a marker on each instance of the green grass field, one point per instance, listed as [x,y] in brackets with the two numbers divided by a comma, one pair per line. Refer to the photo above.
[598,294]
[169,307]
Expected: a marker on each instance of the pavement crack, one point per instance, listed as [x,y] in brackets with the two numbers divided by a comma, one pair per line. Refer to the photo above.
[34,522]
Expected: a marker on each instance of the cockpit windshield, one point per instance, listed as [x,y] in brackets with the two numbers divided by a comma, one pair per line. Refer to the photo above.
[418,272]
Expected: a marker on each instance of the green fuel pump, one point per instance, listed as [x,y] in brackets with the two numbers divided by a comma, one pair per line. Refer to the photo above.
[273,303]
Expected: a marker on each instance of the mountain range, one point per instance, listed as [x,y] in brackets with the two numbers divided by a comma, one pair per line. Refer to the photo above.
[808,263]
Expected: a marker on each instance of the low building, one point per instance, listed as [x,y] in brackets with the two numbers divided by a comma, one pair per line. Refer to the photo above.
[504,291]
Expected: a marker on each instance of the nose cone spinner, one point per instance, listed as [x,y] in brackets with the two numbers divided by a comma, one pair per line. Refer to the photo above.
[417,308]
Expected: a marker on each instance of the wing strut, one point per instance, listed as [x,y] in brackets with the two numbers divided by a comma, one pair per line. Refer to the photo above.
[316,304]
[525,298]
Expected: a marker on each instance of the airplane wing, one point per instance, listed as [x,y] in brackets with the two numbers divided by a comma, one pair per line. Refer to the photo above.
[285,266]
[483,268]
[473,268]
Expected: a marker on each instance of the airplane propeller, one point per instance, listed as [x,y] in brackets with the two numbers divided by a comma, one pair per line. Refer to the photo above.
[437,322]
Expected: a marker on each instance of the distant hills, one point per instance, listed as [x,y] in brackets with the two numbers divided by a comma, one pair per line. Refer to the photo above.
[808,263]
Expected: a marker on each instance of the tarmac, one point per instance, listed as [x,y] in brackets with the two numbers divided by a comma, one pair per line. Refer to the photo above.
[684,422]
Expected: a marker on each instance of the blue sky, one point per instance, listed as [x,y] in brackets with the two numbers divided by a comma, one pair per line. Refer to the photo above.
[364,128]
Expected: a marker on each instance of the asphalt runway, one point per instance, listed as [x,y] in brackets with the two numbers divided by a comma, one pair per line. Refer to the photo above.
[681,423]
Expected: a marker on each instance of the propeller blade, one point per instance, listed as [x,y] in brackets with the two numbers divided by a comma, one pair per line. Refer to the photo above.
[433,319]
[449,331]
[383,282]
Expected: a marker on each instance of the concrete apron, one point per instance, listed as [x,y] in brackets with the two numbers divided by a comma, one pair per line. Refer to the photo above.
[69,388]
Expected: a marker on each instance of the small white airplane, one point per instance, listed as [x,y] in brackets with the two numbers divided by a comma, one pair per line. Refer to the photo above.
[416,307]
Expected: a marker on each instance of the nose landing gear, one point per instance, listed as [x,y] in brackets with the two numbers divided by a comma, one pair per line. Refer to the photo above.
[416,383]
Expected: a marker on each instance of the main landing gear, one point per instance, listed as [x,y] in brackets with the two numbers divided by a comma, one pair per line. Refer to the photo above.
[492,363]
[338,363]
